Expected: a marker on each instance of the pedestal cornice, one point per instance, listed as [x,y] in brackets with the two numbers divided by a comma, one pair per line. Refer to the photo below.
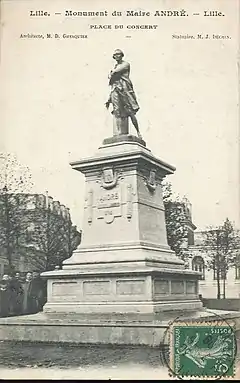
[126,152]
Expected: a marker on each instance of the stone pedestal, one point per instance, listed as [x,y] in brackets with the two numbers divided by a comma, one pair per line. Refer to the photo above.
[123,284]
[124,264]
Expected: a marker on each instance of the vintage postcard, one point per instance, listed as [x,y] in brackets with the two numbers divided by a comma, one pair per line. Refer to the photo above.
[119,189]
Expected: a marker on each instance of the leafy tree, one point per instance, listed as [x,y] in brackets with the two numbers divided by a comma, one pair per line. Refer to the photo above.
[221,244]
[14,178]
[176,219]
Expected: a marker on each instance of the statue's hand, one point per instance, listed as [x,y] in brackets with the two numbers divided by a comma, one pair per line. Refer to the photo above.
[107,104]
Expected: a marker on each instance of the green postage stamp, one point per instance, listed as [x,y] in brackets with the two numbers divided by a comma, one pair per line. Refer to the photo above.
[202,349]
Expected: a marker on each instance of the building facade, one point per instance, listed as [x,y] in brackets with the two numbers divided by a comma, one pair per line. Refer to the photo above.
[36,232]
[198,260]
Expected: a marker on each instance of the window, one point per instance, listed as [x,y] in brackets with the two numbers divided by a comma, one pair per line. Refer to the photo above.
[5,269]
[237,271]
[190,237]
[198,265]
[237,267]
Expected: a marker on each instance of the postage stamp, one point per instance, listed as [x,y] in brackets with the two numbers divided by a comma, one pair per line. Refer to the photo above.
[202,349]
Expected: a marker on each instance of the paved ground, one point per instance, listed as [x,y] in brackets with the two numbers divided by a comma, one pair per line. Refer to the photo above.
[122,373]
[44,361]
[39,361]
[128,372]
[62,355]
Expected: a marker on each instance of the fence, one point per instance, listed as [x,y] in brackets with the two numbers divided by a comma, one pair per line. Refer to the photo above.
[230,304]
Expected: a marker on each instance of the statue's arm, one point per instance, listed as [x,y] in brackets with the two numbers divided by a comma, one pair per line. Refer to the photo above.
[121,68]
[108,102]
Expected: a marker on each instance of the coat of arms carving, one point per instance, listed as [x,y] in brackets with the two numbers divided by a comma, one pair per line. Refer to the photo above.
[109,178]
[151,180]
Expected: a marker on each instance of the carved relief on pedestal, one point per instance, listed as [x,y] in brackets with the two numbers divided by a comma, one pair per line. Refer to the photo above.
[109,178]
[151,181]
[129,201]
[109,202]
[90,206]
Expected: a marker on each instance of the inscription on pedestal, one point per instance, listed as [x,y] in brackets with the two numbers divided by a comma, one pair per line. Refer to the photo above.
[132,287]
[109,204]
[177,287]
[96,287]
[161,287]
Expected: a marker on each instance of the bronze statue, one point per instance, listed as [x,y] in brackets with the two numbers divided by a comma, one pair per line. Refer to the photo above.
[122,96]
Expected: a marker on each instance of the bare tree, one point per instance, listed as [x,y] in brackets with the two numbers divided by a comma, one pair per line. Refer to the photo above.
[46,227]
[14,178]
[221,245]
[52,232]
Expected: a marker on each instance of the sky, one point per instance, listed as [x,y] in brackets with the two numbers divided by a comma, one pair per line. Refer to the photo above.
[53,93]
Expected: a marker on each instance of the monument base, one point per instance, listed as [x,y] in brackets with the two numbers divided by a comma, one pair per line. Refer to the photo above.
[123,138]
[124,263]
[145,330]
[140,287]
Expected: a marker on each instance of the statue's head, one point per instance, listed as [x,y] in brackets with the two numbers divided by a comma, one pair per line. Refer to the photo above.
[118,55]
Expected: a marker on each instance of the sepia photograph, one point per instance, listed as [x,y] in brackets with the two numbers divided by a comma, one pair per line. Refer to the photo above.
[119,190]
